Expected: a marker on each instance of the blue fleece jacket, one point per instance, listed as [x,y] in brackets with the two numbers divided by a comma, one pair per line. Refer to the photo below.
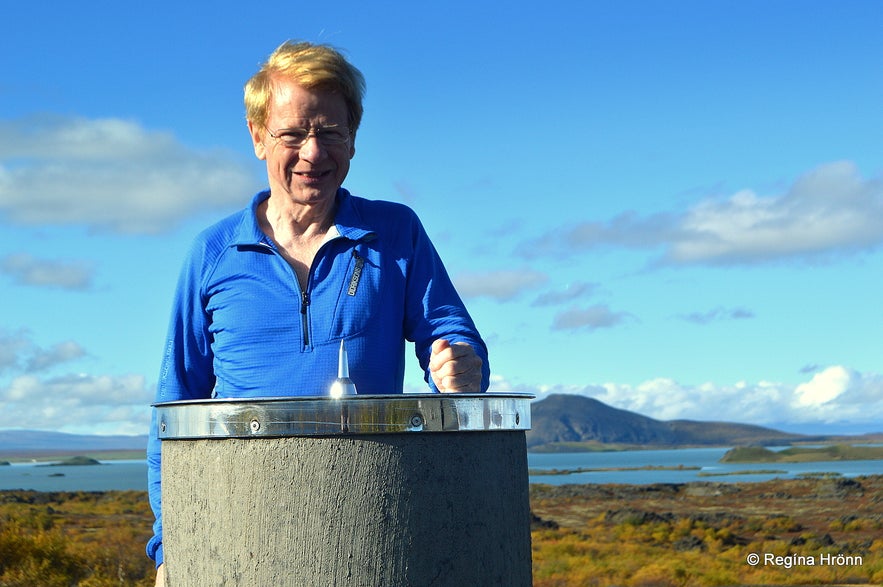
[241,326]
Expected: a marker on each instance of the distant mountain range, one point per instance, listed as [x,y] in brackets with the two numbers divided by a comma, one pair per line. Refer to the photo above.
[36,442]
[562,420]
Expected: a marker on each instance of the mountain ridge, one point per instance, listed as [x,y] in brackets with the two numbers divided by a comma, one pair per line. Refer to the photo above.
[567,419]
[49,441]
[564,422]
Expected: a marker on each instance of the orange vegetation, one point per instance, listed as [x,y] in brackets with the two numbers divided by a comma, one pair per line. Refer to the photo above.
[805,532]
[82,539]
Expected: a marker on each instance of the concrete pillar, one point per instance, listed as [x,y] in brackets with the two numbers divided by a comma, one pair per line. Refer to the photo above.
[410,489]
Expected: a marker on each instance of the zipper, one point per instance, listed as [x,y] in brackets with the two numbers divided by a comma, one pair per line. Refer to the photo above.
[304,294]
[304,302]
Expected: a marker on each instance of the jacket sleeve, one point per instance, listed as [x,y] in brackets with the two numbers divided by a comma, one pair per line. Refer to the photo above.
[186,371]
[434,309]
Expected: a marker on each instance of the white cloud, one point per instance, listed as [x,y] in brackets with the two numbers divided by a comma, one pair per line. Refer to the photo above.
[836,395]
[111,175]
[573,291]
[823,388]
[63,352]
[830,210]
[718,314]
[120,404]
[33,396]
[25,269]
[502,285]
[591,318]
[12,346]
[628,230]
[19,353]
[77,403]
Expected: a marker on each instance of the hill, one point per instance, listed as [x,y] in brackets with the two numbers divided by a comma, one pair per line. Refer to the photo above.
[575,418]
[34,443]
[729,433]
[562,420]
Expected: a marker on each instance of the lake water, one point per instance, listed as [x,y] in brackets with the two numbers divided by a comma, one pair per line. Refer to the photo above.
[111,475]
[706,459]
[123,475]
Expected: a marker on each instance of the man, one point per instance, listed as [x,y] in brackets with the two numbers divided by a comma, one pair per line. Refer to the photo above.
[266,295]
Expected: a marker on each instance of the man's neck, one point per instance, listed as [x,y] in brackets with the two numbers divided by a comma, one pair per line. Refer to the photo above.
[290,221]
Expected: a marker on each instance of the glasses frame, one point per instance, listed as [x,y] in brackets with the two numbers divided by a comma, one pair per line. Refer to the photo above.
[279,135]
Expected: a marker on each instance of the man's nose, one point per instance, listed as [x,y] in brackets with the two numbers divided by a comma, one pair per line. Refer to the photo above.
[312,148]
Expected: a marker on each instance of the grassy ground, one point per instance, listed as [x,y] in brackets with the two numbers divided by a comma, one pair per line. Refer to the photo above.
[821,531]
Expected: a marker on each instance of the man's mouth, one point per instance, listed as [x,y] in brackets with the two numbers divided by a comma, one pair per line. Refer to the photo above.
[312,175]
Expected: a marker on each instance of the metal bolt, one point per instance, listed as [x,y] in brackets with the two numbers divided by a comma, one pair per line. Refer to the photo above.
[255,425]
[416,421]
[517,418]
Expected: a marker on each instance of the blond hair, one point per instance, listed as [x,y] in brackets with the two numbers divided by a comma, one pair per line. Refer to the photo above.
[311,66]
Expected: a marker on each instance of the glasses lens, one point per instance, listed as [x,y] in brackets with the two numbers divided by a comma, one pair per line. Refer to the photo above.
[332,136]
[294,138]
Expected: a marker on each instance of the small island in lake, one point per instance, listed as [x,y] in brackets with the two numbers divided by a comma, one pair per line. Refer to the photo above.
[73,461]
[610,469]
[836,452]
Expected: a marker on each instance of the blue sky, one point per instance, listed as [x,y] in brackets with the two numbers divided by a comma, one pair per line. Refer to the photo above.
[674,207]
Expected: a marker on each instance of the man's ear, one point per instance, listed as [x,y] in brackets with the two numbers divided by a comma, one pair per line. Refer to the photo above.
[257,139]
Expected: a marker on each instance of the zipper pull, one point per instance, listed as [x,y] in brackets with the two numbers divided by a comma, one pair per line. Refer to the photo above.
[357,274]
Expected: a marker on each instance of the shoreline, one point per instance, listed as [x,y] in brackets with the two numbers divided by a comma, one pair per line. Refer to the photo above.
[53,455]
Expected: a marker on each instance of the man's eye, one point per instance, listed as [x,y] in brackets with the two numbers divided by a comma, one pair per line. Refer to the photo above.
[332,136]
[294,137]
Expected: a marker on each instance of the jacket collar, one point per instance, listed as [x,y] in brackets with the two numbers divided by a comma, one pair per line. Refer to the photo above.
[347,219]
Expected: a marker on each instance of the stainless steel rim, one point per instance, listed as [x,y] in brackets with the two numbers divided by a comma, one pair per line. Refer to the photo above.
[359,414]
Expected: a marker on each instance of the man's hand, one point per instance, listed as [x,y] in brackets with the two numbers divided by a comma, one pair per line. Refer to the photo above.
[161,576]
[455,367]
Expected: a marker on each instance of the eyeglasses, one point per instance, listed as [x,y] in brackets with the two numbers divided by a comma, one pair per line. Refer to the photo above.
[328,136]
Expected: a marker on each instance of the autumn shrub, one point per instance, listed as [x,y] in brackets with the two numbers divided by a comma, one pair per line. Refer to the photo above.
[29,558]
[689,551]
[80,539]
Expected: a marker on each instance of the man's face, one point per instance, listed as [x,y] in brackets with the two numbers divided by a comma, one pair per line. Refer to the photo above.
[310,174]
